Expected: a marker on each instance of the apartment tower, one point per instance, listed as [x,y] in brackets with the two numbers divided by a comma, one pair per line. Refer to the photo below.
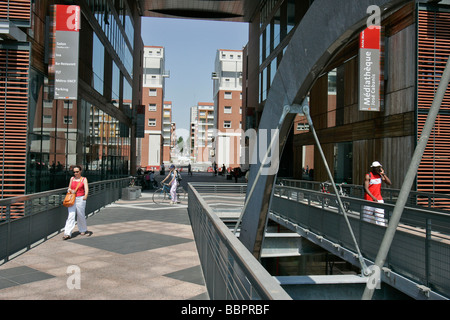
[193,133]
[204,134]
[227,89]
[155,134]
[168,132]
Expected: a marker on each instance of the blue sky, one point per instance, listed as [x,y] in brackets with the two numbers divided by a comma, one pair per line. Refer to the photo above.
[190,49]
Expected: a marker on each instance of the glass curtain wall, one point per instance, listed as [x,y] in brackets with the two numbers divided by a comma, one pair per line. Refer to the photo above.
[66,133]
[62,133]
[277,20]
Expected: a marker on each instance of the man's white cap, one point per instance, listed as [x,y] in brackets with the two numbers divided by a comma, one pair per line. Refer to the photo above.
[376,164]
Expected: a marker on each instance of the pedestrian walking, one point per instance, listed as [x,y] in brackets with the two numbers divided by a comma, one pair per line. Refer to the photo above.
[372,192]
[79,185]
[173,176]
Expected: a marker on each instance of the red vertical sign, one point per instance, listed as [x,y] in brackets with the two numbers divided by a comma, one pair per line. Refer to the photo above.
[64,64]
[370,38]
[369,69]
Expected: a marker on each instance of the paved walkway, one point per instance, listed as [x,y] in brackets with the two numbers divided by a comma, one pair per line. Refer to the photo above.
[138,250]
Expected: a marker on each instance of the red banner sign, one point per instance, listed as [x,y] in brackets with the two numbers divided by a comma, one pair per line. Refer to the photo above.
[370,38]
[65,46]
[369,69]
[67,18]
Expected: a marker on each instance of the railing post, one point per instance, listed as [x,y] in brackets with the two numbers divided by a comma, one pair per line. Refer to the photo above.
[427,251]
[8,221]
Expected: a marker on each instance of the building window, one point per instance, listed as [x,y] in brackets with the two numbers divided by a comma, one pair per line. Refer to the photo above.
[98,62]
[227,109]
[273,69]
[228,95]
[152,92]
[302,126]
[67,119]
[47,119]
[68,105]
[152,122]
[227,124]
[152,107]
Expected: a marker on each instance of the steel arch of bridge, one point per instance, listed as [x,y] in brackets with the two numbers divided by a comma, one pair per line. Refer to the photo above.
[326,28]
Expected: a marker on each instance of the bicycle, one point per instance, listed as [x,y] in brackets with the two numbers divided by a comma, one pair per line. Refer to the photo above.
[326,201]
[162,194]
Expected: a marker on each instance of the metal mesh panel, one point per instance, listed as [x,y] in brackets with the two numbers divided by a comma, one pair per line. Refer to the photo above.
[44,215]
[230,271]
[420,250]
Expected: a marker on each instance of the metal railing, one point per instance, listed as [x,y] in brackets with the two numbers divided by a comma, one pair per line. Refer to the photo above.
[231,272]
[421,247]
[26,221]
[416,198]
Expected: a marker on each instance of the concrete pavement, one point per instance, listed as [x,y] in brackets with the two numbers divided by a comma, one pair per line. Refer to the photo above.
[137,251]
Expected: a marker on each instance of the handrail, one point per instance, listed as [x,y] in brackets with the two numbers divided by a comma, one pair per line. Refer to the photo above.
[421,246]
[31,196]
[29,219]
[239,188]
[359,201]
[227,257]
[389,194]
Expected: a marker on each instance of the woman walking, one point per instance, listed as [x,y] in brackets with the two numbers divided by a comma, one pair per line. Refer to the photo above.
[173,173]
[78,185]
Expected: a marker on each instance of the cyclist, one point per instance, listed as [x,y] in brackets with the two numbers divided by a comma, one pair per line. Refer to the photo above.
[173,173]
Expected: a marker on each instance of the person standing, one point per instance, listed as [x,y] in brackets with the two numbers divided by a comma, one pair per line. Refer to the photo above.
[372,192]
[173,173]
[79,185]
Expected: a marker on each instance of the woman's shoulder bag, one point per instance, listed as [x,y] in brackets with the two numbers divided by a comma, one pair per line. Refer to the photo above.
[69,200]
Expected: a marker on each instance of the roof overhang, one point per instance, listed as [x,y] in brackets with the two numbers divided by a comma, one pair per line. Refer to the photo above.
[219,10]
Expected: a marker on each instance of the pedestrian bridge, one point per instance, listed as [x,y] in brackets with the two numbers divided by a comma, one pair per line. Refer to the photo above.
[417,266]
[303,222]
